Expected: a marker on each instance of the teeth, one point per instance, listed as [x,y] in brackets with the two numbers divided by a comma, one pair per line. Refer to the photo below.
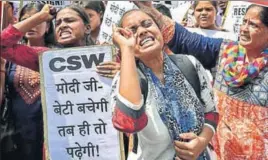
[146,40]
[65,34]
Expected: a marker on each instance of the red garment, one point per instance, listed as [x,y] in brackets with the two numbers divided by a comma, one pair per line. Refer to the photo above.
[18,53]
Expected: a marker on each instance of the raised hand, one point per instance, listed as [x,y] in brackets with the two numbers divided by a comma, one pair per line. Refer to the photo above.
[49,10]
[123,38]
[143,4]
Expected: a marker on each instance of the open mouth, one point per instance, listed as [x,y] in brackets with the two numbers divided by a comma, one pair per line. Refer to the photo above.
[146,40]
[244,37]
[31,32]
[204,18]
[65,34]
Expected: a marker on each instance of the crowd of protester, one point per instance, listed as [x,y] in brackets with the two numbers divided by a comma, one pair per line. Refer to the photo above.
[175,114]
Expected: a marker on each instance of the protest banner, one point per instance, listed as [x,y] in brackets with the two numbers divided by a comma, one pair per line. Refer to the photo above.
[76,110]
[113,13]
[181,11]
[234,16]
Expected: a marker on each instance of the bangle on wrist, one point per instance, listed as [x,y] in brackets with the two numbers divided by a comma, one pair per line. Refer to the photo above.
[2,71]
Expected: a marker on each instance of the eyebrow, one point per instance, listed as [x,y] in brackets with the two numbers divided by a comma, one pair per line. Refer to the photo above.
[250,21]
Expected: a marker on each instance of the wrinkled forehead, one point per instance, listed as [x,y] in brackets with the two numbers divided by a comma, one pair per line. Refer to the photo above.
[134,18]
[67,13]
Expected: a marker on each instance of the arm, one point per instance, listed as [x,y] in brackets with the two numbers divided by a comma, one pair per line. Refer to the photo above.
[125,40]
[127,117]
[2,79]
[20,54]
[181,41]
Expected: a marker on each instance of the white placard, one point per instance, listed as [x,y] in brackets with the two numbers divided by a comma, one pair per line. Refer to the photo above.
[75,99]
[113,13]
[180,12]
[235,14]
[214,33]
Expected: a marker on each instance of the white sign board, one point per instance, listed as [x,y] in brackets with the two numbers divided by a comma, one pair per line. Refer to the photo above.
[235,14]
[77,114]
[180,11]
[113,13]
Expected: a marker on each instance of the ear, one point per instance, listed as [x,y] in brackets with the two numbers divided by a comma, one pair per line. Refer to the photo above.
[87,29]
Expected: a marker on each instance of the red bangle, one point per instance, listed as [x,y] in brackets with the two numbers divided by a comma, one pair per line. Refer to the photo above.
[2,71]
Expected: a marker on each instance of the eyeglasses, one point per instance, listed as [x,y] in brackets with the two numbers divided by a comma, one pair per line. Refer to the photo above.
[145,24]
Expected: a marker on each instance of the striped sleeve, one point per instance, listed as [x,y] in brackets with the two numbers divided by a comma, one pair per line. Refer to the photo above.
[127,117]
[207,96]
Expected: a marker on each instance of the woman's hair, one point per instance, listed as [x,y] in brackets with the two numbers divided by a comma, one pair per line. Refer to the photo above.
[213,3]
[83,15]
[97,6]
[37,6]
[263,13]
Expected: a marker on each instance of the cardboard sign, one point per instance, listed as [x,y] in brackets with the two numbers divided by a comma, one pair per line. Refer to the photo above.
[75,100]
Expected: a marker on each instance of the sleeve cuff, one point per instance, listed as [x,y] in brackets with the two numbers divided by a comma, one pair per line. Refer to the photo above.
[129,104]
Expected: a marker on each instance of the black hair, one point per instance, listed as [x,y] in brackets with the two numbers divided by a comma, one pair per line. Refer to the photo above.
[97,6]
[163,9]
[81,12]
[83,15]
[49,36]
[11,5]
[263,13]
[213,3]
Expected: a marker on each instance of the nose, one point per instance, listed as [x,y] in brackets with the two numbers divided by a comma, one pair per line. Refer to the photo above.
[141,31]
[204,12]
[63,25]
[244,27]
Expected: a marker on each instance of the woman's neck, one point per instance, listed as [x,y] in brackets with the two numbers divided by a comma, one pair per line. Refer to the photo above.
[212,27]
[252,54]
[94,34]
[40,42]
[156,65]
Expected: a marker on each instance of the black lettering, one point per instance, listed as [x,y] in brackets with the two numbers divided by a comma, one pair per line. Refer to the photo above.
[53,67]
[75,64]
[243,11]
[235,11]
[92,58]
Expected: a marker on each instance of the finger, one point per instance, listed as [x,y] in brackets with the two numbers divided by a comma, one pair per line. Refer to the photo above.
[107,63]
[104,71]
[114,28]
[177,158]
[123,31]
[183,152]
[188,136]
[106,67]
[106,75]
[181,145]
